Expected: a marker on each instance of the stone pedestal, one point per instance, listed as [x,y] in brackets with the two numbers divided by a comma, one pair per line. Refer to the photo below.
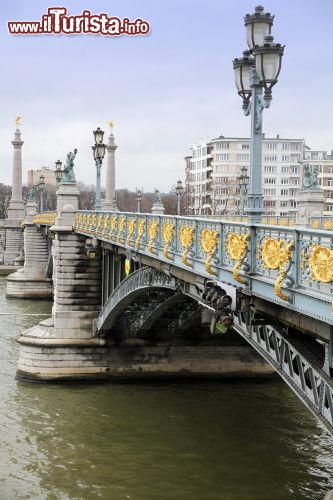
[158,208]
[310,204]
[31,281]
[13,241]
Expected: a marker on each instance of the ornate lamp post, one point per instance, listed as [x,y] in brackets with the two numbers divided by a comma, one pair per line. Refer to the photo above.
[243,181]
[58,171]
[99,153]
[138,200]
[258,69]
[179,192]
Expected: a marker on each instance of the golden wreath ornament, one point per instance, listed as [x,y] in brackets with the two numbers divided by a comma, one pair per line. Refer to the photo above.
[321,263]
[277,254]
[121,228]
[113,225]
[237,247]
[209,241]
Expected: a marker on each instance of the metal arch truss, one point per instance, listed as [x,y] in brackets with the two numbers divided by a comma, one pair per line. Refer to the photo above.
[299,365]
[133,286]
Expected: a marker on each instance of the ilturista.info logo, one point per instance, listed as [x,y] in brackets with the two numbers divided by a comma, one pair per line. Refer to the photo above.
[57,22]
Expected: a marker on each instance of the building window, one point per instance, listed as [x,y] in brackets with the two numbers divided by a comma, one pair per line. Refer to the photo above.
[284,192]
[270,158]
[284,180]
[269,180]
[270,169]
[243,157]
[284,170]
[222,157]
[222,145]
[245,146]
[271,145]
[286,158]
[284,203]
[285,146]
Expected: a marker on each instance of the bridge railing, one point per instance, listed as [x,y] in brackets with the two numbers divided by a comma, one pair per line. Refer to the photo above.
[292,266]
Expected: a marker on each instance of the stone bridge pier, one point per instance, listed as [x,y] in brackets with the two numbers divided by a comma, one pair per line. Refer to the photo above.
[31,281]
[65,346]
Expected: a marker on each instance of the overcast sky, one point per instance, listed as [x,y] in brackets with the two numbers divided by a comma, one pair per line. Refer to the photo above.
[164,91]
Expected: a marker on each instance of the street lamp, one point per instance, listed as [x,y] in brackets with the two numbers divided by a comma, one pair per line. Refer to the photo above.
[41,185]
[243,181]
[99,153]
[258,69]
[58,171]
[179,192]
[138,199]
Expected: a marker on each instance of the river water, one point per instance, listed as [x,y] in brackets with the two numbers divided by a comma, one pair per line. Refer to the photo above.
[200,441]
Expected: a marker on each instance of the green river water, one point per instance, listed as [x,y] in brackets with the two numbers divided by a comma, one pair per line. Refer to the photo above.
[247,440]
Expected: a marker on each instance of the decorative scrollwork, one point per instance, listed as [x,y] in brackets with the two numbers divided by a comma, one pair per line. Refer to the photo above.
[121,228]
[141,230]
[321,263]
[186,237]
[237,247]
[153,231]
[315,224]
[277,254]
[130,231]
[328,224]
[105,226]
[113,225]
[209,242]
[168,230]
[99,224]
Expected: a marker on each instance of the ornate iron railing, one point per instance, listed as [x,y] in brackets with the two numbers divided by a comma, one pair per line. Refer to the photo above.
[292,267]
[45,218]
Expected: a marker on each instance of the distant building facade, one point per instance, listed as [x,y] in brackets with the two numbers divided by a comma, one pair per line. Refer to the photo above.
[49,177]
[213,168]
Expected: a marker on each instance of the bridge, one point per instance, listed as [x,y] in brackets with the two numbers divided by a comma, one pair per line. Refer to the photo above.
[126,284]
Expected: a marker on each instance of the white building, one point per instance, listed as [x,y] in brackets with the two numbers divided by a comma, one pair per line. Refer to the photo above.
[214,166]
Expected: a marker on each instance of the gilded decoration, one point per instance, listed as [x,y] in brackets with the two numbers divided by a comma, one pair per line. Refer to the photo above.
[99,224]
[141,230]
[113,226]
[209,242]
[277,254]
[186,237]
[152,231]
[130,231]
[106,226]
[328,224]
[121,228]
[321,263]
[168,230]
[46,218]
[315,224]
[237,247]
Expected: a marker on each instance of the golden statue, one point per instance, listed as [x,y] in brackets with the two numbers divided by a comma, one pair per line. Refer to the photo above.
[18,121]
[110,125]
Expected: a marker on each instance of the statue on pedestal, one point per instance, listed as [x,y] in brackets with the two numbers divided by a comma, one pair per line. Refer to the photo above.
[310,177]
[68,175]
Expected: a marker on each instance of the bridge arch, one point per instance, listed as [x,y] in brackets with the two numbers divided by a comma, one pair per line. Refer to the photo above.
[298,360]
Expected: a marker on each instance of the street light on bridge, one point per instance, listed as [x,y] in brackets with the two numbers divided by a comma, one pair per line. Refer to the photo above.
[40,187]
[99,153]
[258,69]
[243,181]
[58,171]
[138,200]
[179,192]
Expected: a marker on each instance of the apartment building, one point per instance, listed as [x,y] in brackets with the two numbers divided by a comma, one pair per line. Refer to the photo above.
[214,166]
[47,173]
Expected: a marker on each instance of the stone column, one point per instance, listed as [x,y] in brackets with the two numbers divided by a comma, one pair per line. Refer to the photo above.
[110,196]
[16,207]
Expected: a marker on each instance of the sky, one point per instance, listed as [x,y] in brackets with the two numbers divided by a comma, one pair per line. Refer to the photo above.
[164,91]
